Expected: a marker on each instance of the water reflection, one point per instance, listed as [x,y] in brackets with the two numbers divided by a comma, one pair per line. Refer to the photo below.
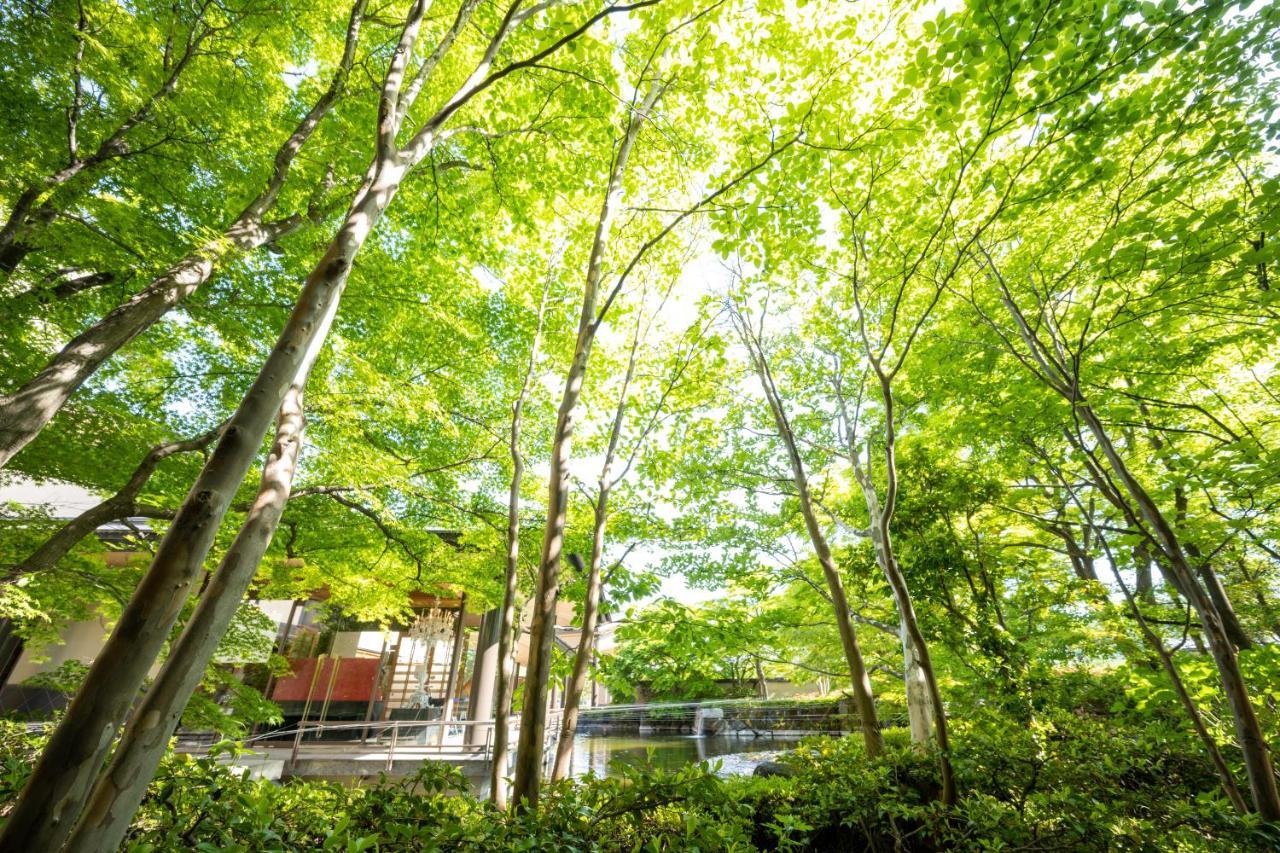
[602,755]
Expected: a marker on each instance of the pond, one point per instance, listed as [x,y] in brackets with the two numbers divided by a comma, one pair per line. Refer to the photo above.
[603,755]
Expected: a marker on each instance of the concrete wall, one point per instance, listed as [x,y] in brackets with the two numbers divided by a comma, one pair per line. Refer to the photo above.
[80,641]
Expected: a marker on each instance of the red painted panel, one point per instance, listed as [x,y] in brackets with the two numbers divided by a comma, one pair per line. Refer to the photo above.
[354,682]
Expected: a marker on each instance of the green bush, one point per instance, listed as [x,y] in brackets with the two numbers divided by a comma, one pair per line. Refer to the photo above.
[1071,779]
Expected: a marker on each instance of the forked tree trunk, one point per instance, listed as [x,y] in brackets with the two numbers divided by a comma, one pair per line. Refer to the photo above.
[121,786]
[533,718]
[586,647]
[74,754]
[591,601]
[762,684]
[1253,744]
[1225,776]
[925,711]
[26,411]
[921,681]
[60,781]
[1141,509]
[863,698]
[920,707]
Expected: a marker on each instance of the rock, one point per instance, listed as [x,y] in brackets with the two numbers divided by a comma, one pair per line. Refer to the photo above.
[766,769]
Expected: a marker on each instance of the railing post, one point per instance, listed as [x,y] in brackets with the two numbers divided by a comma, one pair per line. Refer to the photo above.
[391,752]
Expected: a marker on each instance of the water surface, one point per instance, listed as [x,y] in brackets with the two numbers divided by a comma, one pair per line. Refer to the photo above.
[603,755]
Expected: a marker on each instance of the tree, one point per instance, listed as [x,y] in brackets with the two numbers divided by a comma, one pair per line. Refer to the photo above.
[863,697]
[78,746]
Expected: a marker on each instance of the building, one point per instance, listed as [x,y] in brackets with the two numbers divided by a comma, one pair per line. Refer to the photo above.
[441,664]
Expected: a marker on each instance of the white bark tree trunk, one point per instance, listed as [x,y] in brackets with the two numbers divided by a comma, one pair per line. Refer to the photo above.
[120,788]
[508,611]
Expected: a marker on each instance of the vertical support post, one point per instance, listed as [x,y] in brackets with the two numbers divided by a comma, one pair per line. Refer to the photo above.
[391,750]
[328,693]
[306,708]
[374,688]
[392,663]
[484,674]
[455,659]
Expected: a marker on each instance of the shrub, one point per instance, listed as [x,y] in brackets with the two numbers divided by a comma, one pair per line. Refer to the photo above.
[1069,780]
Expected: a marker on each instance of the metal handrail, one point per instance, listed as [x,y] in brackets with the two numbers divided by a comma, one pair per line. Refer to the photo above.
[395,727]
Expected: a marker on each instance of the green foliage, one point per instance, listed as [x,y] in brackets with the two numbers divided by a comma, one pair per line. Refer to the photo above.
[1104,168]
[1076,778]
[65,678]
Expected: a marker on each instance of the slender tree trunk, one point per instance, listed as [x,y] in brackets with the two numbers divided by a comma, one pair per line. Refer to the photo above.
[533,716]
[1145,586]
[863,698]
[533,719]
[920,707]
[1225,776]
[586,645]
[26,411]
[925,711]
[1081,559]
[120,505]
[762,683]
[455,661]
[1204,568]
[75,752]
[507,614]
[591,601]
[1213,585]
[121,786]
[1253,744]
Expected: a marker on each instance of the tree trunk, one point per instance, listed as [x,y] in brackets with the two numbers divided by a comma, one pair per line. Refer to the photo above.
[25,412]
[78,746]
[925,711]
[586,648]
[120,788]
[1204,569]
[1058,376]
[533,719]
[762,684]
[591,602]
[507,613]
[455,662]
[1145,586]
[1213,585]
[1220,765]
[919,705]
[1253,744]
[863,698]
